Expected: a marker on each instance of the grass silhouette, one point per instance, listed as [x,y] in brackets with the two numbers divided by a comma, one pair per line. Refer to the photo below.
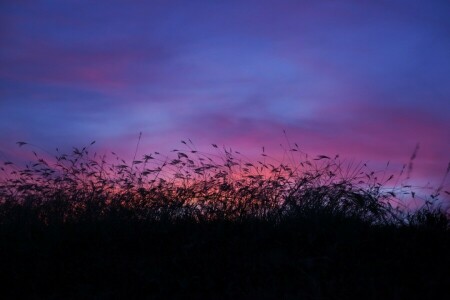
[215,225]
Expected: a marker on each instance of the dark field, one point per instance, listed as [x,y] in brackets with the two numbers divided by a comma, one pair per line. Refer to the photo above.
[198,226]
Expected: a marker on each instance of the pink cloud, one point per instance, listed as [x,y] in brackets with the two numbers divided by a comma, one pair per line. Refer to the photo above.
[106,68]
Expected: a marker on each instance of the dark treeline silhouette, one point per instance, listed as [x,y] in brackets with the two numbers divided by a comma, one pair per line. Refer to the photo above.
[216,225]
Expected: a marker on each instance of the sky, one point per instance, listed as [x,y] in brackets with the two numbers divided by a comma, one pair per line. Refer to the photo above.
[368,80]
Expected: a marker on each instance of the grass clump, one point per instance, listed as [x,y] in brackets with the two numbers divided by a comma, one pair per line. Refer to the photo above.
[215,225]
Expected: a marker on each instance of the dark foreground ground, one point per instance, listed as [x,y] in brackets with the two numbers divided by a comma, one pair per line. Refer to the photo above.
[314,257]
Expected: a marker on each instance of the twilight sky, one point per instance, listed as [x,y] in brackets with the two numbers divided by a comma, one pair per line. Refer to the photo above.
[365,79]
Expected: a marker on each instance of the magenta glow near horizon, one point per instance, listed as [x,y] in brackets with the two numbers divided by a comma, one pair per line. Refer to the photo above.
[368,80]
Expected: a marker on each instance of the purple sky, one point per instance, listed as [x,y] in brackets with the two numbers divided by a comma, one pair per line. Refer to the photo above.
[365,79]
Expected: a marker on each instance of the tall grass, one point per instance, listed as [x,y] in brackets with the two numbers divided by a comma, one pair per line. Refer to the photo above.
[215,225]
[193,184]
